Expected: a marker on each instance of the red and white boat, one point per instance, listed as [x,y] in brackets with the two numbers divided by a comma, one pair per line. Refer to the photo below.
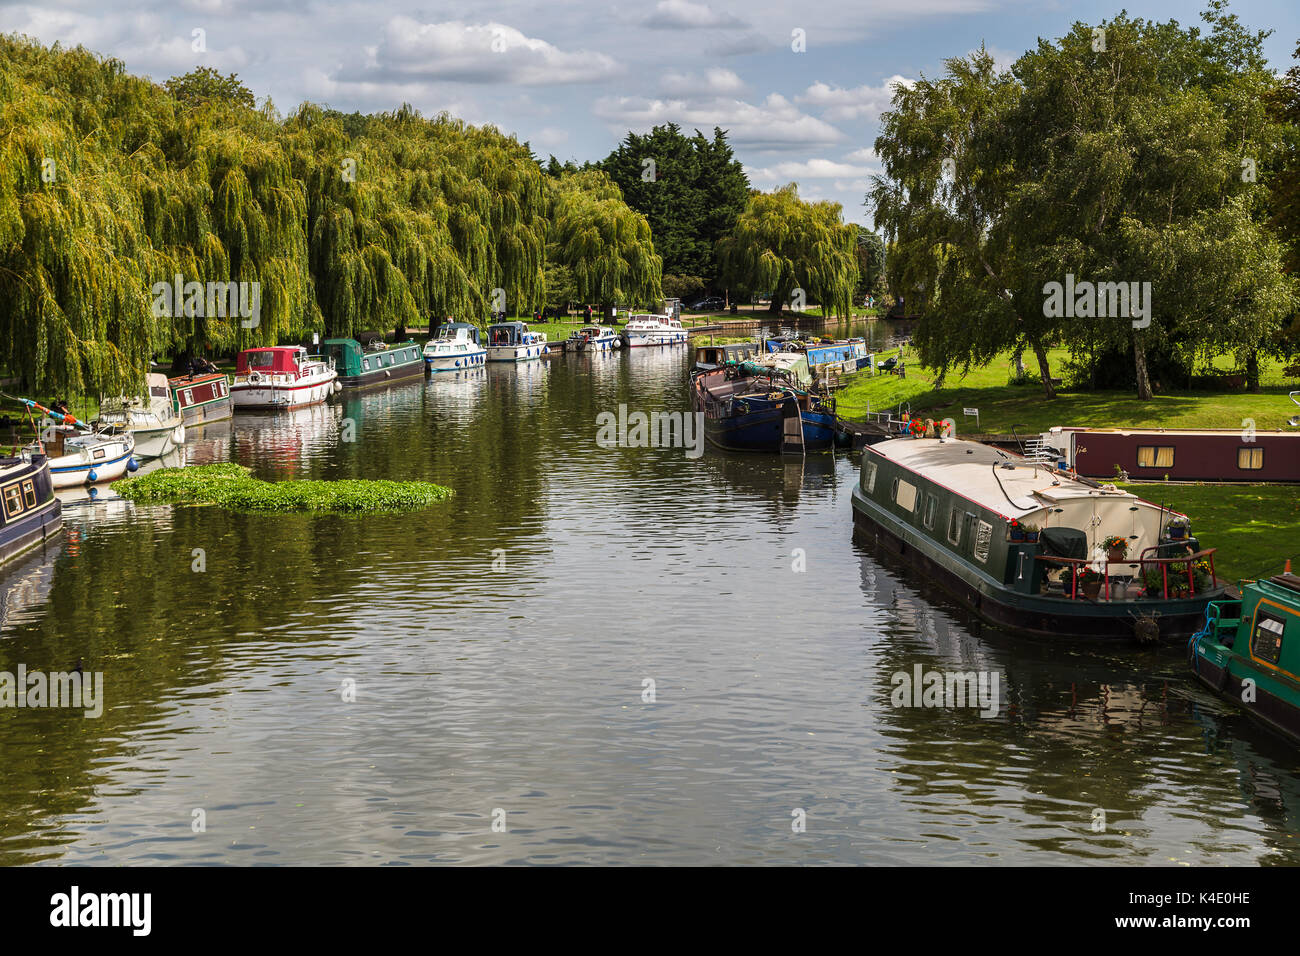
[281,377]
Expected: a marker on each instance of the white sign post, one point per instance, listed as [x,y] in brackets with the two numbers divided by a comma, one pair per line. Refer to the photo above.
[973,411]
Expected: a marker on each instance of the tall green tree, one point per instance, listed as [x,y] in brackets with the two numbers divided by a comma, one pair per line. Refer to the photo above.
[690,189]
[606,246]
[781,243]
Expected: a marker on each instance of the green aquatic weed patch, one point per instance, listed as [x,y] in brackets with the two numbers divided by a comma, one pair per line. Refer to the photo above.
[231,486]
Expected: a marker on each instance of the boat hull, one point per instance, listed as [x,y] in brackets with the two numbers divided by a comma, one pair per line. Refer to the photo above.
[258,397]
[73,471]
[157,442]
[643,339]
[384,376]
[516,353]
[1215,672]
[1037,615]
[456,361]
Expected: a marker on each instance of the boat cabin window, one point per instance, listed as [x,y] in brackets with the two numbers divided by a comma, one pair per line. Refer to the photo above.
[954,527]
[365,364]
[931,506]
[983,538]
[13,500]
[261,359]
[905,495]
[1250,459]
[870,480]
[1155,456]
[1266,643]
[29,494]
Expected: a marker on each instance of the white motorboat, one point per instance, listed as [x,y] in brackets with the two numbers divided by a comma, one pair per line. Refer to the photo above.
[592,338]
[647,329]
[281,377]
[456,348]
[156,424]
[88,459]
[512,342]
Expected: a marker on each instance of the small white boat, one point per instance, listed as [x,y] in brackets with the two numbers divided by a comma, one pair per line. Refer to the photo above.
[512,342]
[456,348]
[156,424]
[592,338]
[281,377]
[646,329]
[88,459]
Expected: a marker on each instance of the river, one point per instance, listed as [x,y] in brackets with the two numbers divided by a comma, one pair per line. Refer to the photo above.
[589,655]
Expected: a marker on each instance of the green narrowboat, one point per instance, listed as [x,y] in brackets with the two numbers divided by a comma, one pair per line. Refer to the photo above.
[380,364]
[1031,547]
[1248,652]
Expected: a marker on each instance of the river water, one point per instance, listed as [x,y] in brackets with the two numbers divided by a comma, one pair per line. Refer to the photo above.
[471,683]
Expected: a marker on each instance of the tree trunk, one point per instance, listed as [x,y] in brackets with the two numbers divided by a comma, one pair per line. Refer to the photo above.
[399,333]
[1252,371]
[775,307]
[1019,359]
[1140,363]
[1044,369]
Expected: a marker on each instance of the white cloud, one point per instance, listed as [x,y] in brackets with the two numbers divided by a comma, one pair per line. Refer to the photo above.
[860,102]
[810,169]
[775,124]
[411,51]
[715,81]
[684,15]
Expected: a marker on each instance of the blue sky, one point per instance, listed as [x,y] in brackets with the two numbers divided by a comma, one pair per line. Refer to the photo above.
[572,76]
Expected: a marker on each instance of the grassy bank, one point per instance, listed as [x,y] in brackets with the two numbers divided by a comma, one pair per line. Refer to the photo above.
[1002,405]
[1255,527]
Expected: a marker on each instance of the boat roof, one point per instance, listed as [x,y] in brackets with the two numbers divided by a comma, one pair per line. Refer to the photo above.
[1013,488]
[508,325]
[274,348]
[1174,432]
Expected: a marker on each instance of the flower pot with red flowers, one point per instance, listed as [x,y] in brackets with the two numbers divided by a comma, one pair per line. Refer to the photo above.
[1116,548]
[1017,532]
[1089,584]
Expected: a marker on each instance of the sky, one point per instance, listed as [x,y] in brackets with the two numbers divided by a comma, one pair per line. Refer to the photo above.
[799,86]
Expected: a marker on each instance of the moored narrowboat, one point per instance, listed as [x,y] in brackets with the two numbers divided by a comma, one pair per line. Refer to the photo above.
[1248,652]
[763,404]
[1178,454]
[1033,548]
[201,397]
[378,364]
[29,512]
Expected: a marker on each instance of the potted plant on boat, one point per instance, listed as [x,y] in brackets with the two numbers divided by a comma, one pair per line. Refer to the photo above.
[1178,586]
[1153,582]
[1031,532]
[1201,577]
[1017,532]
[1177,528]
[1090,583]
[1116,548]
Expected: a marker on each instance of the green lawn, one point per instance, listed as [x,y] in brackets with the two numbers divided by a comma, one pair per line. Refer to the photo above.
[1255,527]
[1002,405]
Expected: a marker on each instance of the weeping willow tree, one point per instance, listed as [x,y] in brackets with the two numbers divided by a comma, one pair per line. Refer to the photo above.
[781,243]
[116,194]
[605,245]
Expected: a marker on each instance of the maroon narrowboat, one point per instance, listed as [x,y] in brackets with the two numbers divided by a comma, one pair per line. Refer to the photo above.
[1225,454]
[200,398]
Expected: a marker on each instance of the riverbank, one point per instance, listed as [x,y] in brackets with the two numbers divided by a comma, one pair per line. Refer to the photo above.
[1002,405]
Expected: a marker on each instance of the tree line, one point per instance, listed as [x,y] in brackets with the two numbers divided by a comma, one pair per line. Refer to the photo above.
[1128,191]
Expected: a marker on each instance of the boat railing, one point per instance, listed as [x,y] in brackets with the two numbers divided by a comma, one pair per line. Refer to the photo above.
[1078,565]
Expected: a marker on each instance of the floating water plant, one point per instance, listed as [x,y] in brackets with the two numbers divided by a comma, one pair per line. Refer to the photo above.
[231,486]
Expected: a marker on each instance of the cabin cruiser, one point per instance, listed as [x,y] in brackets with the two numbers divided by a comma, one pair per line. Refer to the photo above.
[457,347]
[646,329]
[281,377]
[512,342]
[156,424]
[592,338]
[77,459]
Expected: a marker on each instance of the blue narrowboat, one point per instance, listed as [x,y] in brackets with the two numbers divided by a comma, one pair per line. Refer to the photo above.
[29,512]
[763,404]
